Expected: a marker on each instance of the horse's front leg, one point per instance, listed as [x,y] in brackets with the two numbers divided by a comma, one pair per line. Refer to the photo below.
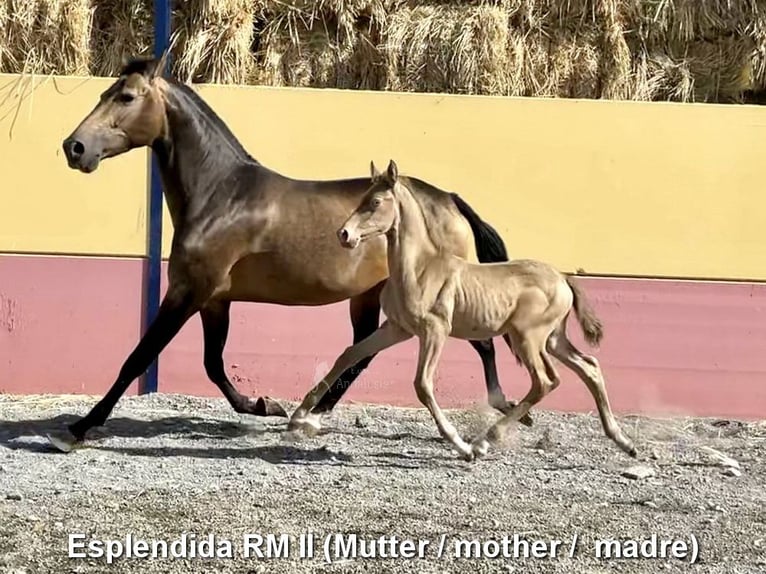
[177,306]
[387,335]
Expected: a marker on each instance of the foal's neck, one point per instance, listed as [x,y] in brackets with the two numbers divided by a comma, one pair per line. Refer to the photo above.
[198,153]
[409,243]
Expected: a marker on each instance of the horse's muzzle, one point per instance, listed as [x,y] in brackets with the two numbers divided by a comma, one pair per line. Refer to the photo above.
[74,150]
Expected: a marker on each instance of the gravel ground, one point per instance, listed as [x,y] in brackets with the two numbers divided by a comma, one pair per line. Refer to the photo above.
[167,464]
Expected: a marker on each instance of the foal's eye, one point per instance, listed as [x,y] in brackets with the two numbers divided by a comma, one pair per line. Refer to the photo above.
[126,98]
[376,202]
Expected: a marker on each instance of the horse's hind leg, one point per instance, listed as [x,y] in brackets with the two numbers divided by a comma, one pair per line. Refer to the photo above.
[531,351]
[431,346]
[215,330]
[387,335]
[364,310]
[588,369]
[495,396]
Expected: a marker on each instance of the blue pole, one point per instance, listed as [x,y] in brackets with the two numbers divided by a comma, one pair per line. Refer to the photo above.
[149,383]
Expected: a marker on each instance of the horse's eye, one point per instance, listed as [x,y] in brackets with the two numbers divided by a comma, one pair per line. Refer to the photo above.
[126,98]
[376,202]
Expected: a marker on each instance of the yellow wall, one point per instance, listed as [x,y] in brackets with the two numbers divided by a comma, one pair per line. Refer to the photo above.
[48,208]
[613,188]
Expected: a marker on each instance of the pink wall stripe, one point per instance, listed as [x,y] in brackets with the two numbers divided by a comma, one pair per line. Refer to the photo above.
[671,347]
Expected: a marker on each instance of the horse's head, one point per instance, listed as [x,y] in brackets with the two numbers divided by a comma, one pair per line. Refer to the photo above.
[129,114]
[377,213]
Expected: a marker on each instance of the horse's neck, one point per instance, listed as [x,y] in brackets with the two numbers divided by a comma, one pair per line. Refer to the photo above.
[409,243]
[195,156]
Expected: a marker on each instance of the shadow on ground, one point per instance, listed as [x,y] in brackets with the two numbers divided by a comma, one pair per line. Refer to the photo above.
[31,435]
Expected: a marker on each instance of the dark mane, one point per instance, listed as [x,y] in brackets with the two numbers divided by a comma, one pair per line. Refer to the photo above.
[142,65]
[214,118]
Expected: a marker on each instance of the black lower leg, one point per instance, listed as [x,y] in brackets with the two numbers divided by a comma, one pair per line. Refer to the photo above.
[215,330]
[486,351]
[173,313]
[365,316]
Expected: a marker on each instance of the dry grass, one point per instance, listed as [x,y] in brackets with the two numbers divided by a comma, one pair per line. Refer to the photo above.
[46,36]
[213,41]
[121,29]
[683,50]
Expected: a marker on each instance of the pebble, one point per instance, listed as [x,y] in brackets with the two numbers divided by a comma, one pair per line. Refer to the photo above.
[360,422]
[14,496]
[731,471]
[638,471]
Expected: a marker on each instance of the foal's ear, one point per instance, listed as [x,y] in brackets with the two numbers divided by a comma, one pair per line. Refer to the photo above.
[159,66]
[374,173]
[393,171]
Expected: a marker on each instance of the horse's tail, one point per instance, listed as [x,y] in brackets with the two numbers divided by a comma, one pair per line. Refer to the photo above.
[489,245]
[590,324]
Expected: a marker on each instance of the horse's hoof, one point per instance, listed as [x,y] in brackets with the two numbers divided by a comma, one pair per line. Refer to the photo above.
[63,442]
[268,407]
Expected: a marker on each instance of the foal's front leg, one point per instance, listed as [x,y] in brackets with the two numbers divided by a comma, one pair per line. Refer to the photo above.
[431,345]
[387,335]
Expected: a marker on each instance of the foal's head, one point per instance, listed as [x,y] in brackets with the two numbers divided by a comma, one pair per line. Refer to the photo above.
[377,213]
[129,114]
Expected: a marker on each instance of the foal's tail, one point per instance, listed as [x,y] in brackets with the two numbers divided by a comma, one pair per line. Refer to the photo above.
[489,245]
[590,324]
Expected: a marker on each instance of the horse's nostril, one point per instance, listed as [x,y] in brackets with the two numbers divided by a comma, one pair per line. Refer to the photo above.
[74,149]
[343,235]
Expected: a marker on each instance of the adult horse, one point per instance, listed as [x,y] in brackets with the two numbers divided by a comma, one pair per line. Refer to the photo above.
[235,236]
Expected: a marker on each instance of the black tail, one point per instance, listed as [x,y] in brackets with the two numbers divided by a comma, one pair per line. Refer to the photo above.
[489,245]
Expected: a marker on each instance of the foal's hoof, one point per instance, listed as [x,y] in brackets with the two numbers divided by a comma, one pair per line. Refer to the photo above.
[268,407]
[308,425]
[526,420]
[64,442]
[480,448]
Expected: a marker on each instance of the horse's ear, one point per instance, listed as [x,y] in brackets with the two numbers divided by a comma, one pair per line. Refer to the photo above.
[393,171]
[374,173]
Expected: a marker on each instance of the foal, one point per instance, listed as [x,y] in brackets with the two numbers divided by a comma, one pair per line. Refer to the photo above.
[433,295]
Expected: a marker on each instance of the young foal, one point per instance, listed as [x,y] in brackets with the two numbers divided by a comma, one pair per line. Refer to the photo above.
[433,295]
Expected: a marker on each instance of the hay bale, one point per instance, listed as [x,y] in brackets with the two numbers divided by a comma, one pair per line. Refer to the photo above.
[323,53]
[122,29]
[47,36]
[576,65]
[448,48]
[213,41]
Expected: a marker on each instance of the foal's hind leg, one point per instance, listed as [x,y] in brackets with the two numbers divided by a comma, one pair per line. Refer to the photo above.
[495,396]
[587,368]
[215,330]
[431,345]
[531,351]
